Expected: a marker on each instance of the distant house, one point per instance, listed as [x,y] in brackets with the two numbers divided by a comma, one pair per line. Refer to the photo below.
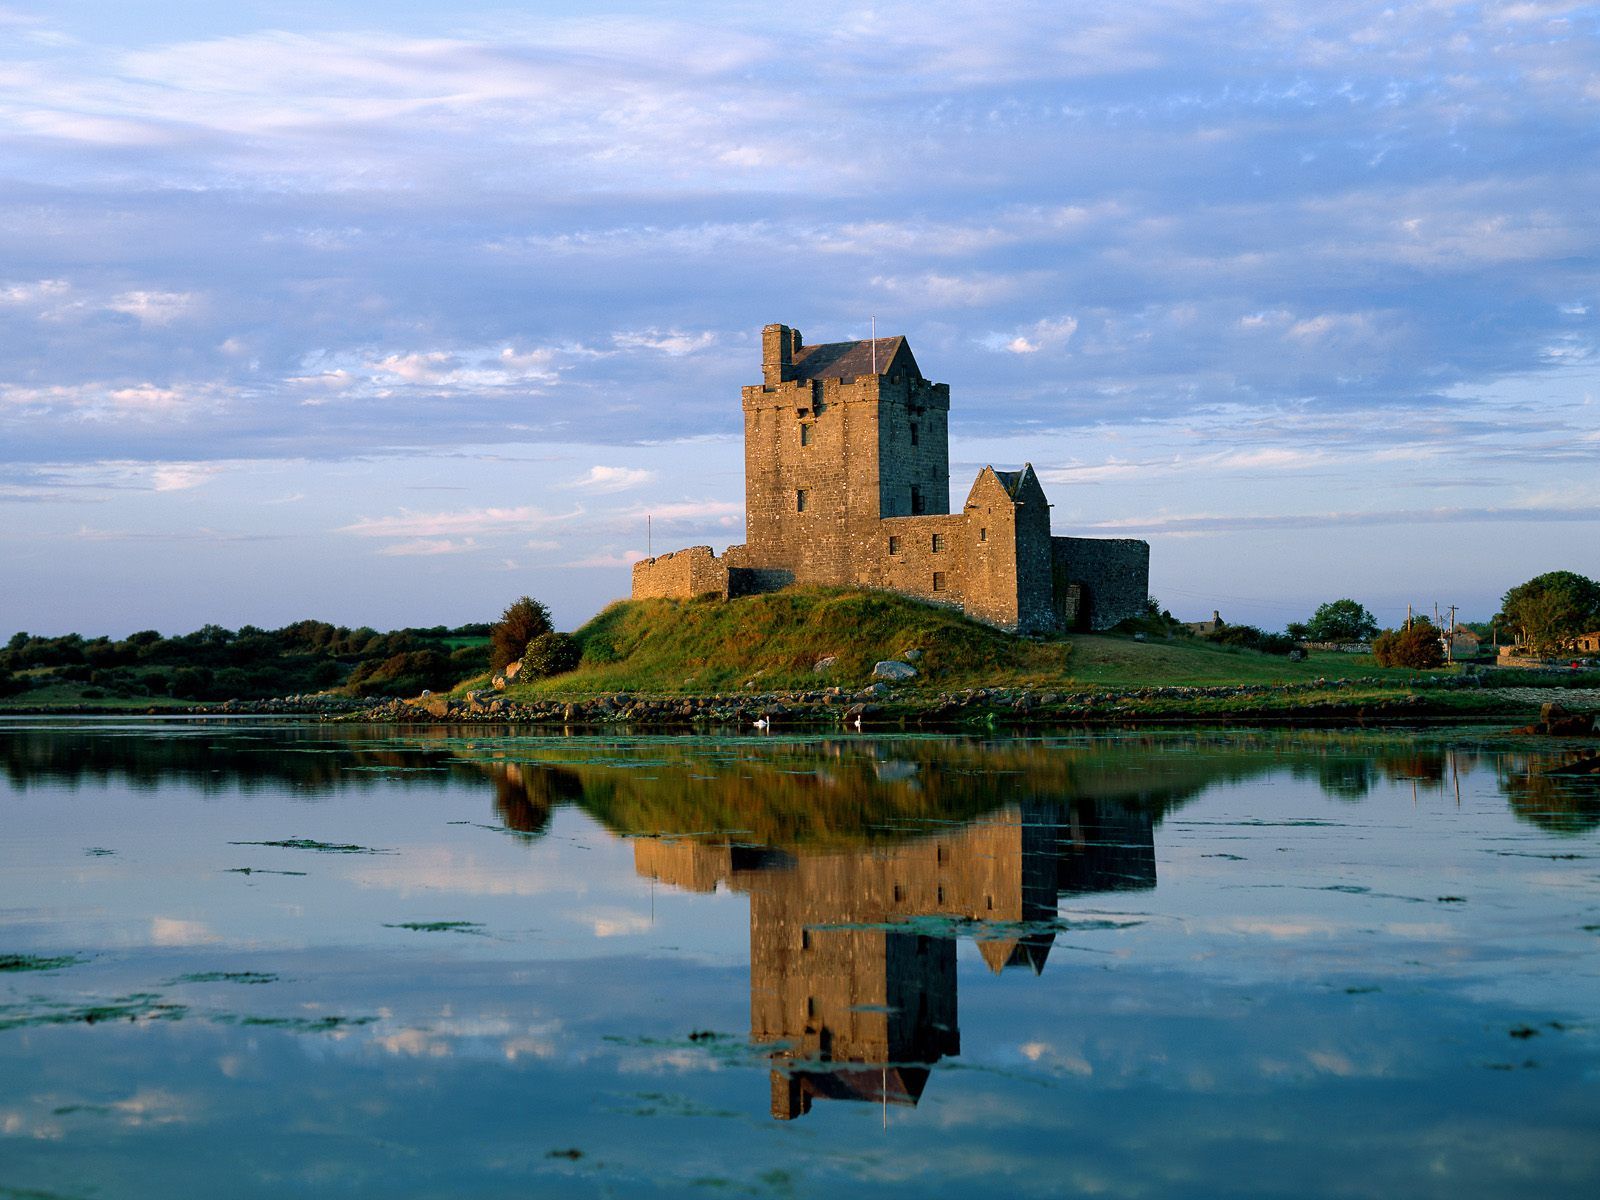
[1202,628]
[1588,643]
[1464,643]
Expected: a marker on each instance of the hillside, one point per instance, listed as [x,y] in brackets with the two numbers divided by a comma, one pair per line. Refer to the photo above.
[665,647]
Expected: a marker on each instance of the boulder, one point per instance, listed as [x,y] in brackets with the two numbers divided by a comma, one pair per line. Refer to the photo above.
[824,664]
[912,656]
[890,669]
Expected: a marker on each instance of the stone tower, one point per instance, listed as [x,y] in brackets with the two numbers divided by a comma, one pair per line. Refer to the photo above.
[837,437]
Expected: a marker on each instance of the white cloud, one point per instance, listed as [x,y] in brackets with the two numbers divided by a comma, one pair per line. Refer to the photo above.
[1048,334]
[426,547]
[464,521]
[674,342]
[607,558]
[30,293]
[610,479]
[180,477]
[153,308]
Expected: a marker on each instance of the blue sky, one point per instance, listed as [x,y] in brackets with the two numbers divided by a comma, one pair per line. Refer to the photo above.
[390,313]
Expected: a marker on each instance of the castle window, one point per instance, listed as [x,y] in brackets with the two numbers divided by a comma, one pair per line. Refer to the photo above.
[800,498]
[894,544]
[938,543]
[938,581]
[899,894]
[916,502]
[913,435]
[983,535]
[806,432]
[817,406]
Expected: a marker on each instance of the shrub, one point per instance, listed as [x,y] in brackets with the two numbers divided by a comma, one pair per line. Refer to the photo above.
[403,674]
[522,621]
[551,654]
[1417,647]
[1251,638]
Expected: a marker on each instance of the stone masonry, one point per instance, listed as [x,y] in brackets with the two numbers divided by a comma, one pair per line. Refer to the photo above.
[847,482]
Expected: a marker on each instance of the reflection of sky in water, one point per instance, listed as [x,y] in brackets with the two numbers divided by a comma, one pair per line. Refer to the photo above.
[1362,967]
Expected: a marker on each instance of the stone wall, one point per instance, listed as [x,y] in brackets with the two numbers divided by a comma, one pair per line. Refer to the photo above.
[1113,574]
[680,575]
[898,554]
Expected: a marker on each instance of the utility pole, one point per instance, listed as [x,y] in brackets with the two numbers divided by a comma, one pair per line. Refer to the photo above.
[1408,614]
[1450,646]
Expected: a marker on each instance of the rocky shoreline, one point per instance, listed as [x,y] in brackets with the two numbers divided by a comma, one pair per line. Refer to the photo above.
[881,706]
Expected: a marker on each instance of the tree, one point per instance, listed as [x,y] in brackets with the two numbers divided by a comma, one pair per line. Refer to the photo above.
[1418,647]
[522,621]
[1552,609]
[1338,621]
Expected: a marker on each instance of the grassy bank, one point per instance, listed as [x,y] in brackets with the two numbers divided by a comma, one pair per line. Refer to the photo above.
[773,643]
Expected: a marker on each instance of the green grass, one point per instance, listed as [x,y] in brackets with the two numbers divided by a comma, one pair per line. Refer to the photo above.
[700,646]
[668,647]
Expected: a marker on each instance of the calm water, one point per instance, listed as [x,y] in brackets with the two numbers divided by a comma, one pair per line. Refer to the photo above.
[294,959]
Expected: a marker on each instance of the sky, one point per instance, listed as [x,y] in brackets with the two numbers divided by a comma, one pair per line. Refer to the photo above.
[390,313]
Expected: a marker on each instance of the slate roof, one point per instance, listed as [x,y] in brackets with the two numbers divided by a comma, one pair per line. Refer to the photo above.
[846,360]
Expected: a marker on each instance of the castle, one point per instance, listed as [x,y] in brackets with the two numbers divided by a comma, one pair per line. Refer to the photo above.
[847,482]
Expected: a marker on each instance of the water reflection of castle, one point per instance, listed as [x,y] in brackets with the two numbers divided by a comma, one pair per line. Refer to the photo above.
[853,953]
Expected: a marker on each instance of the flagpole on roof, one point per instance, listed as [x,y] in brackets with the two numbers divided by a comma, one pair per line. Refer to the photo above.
[874,343]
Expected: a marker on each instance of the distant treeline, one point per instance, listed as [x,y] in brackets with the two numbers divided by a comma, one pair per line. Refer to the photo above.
[214,663]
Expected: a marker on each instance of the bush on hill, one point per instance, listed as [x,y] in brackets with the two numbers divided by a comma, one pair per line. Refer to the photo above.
[1417,647]
[551,654]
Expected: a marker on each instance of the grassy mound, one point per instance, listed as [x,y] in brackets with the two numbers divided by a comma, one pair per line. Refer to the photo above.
[700,646]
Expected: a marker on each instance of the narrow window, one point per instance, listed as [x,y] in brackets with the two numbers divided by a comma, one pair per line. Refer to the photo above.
[899,894]
[913,435]
[894,544]
[938,543]
[983,535]
[800,498]
[916,502]
[806,432]
[811,1008]
[938,581]
[805,939]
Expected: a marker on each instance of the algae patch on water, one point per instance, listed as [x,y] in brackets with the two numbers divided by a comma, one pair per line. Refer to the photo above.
[225,977]
[438,926]
[36,962]
[299,843]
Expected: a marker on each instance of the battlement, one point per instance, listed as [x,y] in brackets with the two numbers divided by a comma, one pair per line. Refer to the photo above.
[682,574]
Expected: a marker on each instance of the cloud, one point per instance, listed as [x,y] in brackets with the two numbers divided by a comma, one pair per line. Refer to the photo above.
[1241,522]
[425,547]
[611,479]
[18,294]
[674,342]
[411,524]
[1051,333]
[607,559]
[153,308]
[180,477]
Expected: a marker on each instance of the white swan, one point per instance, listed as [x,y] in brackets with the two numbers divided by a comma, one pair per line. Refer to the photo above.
[763,723]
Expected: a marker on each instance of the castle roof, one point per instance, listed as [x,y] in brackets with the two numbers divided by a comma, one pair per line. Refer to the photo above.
[1012,480]
[846,360]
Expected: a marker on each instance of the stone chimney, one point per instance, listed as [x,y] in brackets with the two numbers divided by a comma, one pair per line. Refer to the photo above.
[778,344]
